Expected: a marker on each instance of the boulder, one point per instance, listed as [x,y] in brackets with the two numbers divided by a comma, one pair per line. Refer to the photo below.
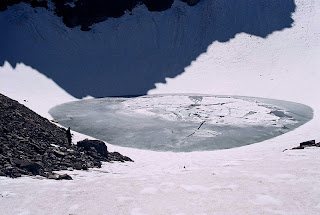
[308,143]
[98,145]
[58,153]
[53,176]
[78,166]
[298,147]
[116,156]
[64,177]
[32,167]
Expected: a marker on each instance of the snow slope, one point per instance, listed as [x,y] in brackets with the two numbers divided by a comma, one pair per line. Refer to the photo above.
[254,179]
[31,88]
[128,55]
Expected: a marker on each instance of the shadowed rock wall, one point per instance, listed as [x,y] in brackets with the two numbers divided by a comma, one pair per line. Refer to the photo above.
[87,12]
[129,54]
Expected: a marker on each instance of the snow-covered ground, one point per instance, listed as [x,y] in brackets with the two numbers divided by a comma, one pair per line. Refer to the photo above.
[31,88]
[254,179]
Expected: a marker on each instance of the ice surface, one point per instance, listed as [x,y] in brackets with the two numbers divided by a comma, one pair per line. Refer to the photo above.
[182,122]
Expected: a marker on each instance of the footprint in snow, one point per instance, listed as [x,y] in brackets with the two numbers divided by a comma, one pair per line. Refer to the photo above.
[6,194]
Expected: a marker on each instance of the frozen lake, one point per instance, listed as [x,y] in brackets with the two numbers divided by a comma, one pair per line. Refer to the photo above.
[182,122]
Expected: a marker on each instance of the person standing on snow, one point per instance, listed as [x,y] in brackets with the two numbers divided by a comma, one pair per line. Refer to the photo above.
[69,136]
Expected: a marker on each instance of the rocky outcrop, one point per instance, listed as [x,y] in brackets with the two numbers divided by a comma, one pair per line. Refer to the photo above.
[31,145]
[89,145]
[84,13]
[33,3]
[191,2]
[97,148]
[308,143]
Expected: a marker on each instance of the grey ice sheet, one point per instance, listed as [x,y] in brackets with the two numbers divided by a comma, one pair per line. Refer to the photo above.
[182,122]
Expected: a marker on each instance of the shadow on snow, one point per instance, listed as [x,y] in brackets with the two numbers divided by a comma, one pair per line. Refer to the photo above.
[128,55]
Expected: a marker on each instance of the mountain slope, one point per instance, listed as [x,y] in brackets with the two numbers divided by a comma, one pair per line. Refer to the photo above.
[256,179]
[31,145]
[129,54]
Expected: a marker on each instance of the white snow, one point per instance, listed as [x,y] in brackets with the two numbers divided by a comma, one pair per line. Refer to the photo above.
[31,88]
[265,199]
[254,179]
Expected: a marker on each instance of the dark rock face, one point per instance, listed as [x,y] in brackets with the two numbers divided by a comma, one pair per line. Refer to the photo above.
[31,145]
[64,177]
[116,156]
[97,145]
[128,56]
[191,2]
[308,143]
[97,148]
[84,13]
[34,3]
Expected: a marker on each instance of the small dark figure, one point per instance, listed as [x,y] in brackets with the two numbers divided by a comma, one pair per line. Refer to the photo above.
[68,133]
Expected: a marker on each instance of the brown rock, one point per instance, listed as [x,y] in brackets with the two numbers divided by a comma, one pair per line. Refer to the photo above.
[64,177]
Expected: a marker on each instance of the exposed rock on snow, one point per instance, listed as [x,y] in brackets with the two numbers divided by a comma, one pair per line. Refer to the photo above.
[64,177]
[31,145]
[100,148]
[307,144]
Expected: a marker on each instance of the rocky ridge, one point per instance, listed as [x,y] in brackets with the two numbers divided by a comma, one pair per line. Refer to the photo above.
[84,13]
[32,145]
